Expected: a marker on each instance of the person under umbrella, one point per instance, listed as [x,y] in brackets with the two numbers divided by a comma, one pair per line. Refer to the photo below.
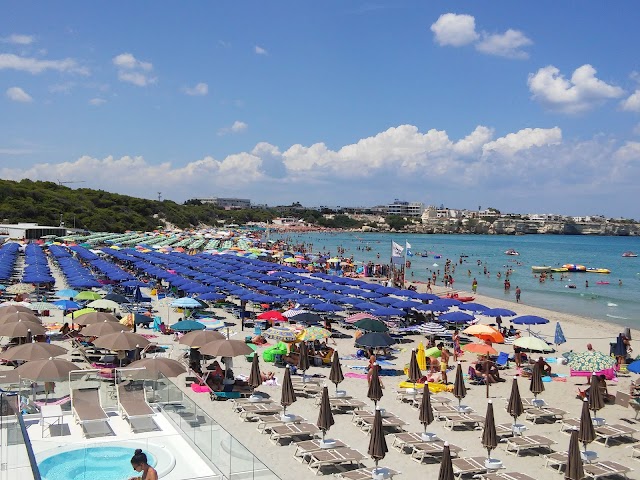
[446,467]
[288,396]
[303,359]
[515,407]
[489,435]
[335,375]
[426,413]
[325,417]
[587,432]
[575,469]
[255,377]
[536,386]
[459,388]
[377,443]
[375,386]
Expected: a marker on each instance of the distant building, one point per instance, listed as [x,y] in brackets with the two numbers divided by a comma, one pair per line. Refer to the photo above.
[226,203]
[286,221]
[405,209]
[30,231]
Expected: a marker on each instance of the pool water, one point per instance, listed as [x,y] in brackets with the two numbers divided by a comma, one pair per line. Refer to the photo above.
[93,463]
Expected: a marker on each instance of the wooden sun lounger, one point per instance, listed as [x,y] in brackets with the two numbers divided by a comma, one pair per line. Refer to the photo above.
[420,451]
[568,424]
[344,404]
[239,403]
[404,440]
[392,422]
[468,465]
[267,422]
[86,407]
[517,444]
[453,420]
[337,456]
[534,414]
[292,431]
[435,400]
[440,411]
[605,468]
[607,432]
[307,389]
[250,411]
[132,404]
[505,430]
[506,476]
[306,447]
[556,459]
[365,474]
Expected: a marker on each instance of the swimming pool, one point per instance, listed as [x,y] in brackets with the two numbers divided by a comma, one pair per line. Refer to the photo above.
[101,462]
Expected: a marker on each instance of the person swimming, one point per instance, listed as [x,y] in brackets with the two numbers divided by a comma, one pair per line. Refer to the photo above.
[139,464]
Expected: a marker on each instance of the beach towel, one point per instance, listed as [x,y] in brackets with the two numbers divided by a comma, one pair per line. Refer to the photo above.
[355,375]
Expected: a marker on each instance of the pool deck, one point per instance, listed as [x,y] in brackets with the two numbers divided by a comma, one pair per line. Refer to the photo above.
[189,464]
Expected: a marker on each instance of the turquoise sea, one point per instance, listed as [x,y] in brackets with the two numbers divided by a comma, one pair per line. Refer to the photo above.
[613,302]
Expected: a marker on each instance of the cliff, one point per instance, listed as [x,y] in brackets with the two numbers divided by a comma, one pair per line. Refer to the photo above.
[520,227]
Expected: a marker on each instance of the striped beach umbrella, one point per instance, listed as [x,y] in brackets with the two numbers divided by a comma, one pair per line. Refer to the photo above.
[283,334]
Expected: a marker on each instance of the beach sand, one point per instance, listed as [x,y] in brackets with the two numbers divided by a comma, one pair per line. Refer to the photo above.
[578,332]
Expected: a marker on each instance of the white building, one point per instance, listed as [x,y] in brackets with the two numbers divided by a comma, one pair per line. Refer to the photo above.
[227,203]
[405,209]
[30,231]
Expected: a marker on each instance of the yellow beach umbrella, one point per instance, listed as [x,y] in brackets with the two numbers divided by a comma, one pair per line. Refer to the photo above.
[420,356]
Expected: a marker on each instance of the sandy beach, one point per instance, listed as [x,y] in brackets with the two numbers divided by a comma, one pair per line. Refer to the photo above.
[280,459]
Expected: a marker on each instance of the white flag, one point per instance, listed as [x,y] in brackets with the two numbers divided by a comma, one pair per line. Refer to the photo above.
[408,245]
[396,250]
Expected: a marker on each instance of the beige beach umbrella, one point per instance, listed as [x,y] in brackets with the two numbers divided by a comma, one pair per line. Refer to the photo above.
[33,351]
[13,309]
[21,329]
[95,317]
[198,338]
[103,328]
[47,370]
[154,368]
[121,341]
[19,316]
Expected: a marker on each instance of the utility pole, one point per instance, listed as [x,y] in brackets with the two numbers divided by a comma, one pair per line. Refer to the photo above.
[159,196]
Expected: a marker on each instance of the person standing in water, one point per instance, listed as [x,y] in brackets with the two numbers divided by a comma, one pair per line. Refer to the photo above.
[139,464]
[518,292]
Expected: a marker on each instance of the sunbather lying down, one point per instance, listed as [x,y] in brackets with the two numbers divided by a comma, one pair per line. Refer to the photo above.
[266,376]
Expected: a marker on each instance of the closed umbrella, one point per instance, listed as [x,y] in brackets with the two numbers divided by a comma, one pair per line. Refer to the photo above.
[255,378]
[515,407]
[587,433]
[19,316]
[156,367]
[414,370]
[377,443]
[559,338]
[21,329]
[459,388]
[375,387]
[536,386]
[303,359]
[121,341]
[103,328]
[596,395]
[574,470]
[226,348]
[199,338]
[33,351]
[489,435]
[335,375]
[325,417]
[47,370]
[287,396]
[446,467]
[426,412]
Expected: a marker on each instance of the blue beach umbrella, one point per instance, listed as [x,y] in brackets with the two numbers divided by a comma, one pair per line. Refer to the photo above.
[186,302]
[456,317]
[432,307]
[530,320]
[559,336]
[473,307]
[499,312]
[67,305]
[447,302]
[634,367]
[388,312]
[68,292]
[326,307]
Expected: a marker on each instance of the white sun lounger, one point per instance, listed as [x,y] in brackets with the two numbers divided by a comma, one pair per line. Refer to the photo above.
[250,411]
[607,432]
[551,413]
[267,422]
[468,465]
[420,451]
[605,468]
[292,431]
[394,423]
[403,440]
[306,447]
[365,473]
[517,444]
[556,459]
[452,420]
[506,476]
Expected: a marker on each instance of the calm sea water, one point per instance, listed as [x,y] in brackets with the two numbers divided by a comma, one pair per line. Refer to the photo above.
[607,302]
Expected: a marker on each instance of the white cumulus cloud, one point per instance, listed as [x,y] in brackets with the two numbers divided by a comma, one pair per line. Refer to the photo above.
[632,103]
[134,71]
[18,95]
[97,101]
[236,127]
[9,61]
[580,93]
[199,89]
[19,39]
[455,30]
[260,51]
[523,140]
[508,44]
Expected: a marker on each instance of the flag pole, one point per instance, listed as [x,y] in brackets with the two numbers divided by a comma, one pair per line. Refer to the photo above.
[404,267]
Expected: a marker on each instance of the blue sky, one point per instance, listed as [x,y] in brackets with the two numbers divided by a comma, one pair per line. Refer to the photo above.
[525,107]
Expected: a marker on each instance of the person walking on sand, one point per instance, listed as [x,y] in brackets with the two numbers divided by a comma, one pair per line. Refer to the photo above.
[518,292]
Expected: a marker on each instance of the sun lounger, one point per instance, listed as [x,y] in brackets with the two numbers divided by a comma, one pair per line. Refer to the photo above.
[549,413]
[250,411]
[336,456]
[404,440]
[420,451]
[239,403]
[607,432]
[452,420]
[345,404]
[365,473]
[86,408]
[306,447]
[556,459]
[440,411]
[267,422]
[292,431]
[505,430]
[505,476]
[133,404]
[389,422]
[605,468]
[468,466]
[517,444]
[307,389]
